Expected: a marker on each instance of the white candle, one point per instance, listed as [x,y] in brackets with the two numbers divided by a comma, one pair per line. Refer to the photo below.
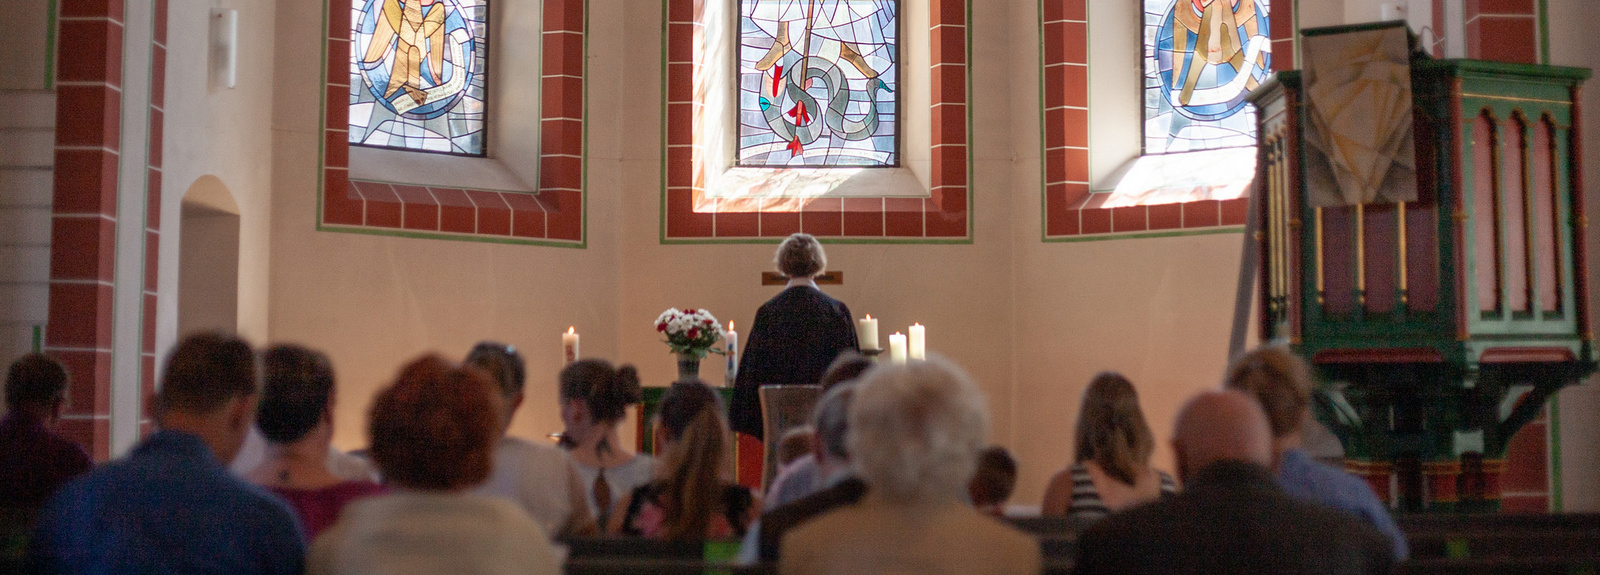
[867,332]
[917,342]
[569,345]
[732,337]
[897,347]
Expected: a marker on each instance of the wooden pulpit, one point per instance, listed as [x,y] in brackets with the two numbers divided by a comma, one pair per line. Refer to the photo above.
[783,407]
[1440,326]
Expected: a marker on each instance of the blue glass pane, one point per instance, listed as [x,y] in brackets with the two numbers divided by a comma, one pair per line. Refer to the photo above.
[1201,57]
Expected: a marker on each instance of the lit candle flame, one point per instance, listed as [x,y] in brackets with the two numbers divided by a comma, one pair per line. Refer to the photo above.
[869,316]
[916,325]
[730,325]
[570,328]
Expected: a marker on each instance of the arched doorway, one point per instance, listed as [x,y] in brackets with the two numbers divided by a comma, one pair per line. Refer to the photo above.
[208,259]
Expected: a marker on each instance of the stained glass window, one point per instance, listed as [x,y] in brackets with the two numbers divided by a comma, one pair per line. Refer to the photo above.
[417,75]
[817,83]
[1201,57]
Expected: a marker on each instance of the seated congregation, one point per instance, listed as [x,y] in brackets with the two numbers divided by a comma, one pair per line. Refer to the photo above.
[895,474]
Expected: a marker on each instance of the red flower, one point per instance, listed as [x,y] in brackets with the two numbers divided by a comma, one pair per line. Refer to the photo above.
[661,326]
[694,333]
[707,322]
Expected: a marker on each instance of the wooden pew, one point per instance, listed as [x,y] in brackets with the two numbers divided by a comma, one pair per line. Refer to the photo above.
[1471,544]
[618,556]
[1502,536]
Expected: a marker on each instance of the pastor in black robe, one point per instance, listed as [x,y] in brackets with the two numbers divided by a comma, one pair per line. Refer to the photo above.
[796,335]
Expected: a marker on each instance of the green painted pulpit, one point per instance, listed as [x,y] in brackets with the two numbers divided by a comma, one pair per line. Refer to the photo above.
[1439,326]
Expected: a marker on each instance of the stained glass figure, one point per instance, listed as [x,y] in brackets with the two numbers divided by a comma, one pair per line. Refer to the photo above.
[817,83]
[417,75]
[1201,57]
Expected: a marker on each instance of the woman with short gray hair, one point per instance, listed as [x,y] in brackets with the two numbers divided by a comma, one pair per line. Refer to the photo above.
[796,334]
[915,431]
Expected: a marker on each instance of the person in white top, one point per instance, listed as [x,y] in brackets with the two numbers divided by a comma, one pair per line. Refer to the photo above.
[594,399]
[346,466]
[432,433]
[538,477]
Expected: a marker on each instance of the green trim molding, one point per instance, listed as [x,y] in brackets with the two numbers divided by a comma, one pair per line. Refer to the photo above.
[53,16]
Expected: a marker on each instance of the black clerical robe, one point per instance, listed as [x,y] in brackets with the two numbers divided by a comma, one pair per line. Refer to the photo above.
[796,335]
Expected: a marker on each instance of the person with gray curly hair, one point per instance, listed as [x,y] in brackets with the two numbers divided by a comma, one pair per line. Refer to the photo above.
[915,431]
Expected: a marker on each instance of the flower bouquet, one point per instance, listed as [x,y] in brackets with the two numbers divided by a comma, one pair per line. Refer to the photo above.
[690,331]
[690,334]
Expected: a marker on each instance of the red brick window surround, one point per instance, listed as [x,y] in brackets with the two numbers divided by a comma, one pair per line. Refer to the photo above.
[688,215]
[553,216]
[1071,212]
[1503,30]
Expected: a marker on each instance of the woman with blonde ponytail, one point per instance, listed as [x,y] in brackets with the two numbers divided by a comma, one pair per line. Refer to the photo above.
[692,497]
[1111,467]
[594,400]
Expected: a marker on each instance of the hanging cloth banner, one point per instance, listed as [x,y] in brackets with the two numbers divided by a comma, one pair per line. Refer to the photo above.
[1360,147]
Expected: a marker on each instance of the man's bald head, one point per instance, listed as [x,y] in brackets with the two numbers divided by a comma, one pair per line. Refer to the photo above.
[1221,425]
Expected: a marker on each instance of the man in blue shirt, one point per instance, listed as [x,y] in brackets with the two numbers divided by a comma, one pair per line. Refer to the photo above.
[1282,383]
[171,506]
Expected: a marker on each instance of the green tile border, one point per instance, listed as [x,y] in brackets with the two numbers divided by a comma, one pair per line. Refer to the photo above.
[583,159]
[1552,418]
[1544,31]
[53,19]
[970,238]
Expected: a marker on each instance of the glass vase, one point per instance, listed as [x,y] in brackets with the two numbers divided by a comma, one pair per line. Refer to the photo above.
[688,366]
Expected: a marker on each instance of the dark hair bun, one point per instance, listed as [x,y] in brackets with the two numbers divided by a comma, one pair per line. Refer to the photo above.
[610,397]
[607,390]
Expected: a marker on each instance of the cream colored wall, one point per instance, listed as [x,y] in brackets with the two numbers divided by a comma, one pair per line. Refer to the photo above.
[1032,321]
[1158,310]
[224,133]
[1574,43]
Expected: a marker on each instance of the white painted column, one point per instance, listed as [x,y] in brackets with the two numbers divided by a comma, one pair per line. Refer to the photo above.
[127,333]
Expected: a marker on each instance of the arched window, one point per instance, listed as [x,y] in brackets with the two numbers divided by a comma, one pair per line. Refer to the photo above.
[838,118]
[1201,58]
[817,83]
[406,146]
[417,72]
[1180,158]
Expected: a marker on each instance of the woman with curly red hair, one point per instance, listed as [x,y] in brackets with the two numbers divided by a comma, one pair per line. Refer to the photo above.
[433,434]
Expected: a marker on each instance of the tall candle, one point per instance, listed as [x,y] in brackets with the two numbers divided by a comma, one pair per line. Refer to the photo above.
[732,337]
[569,345]
[917,342]
[867,332]
[897,347]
